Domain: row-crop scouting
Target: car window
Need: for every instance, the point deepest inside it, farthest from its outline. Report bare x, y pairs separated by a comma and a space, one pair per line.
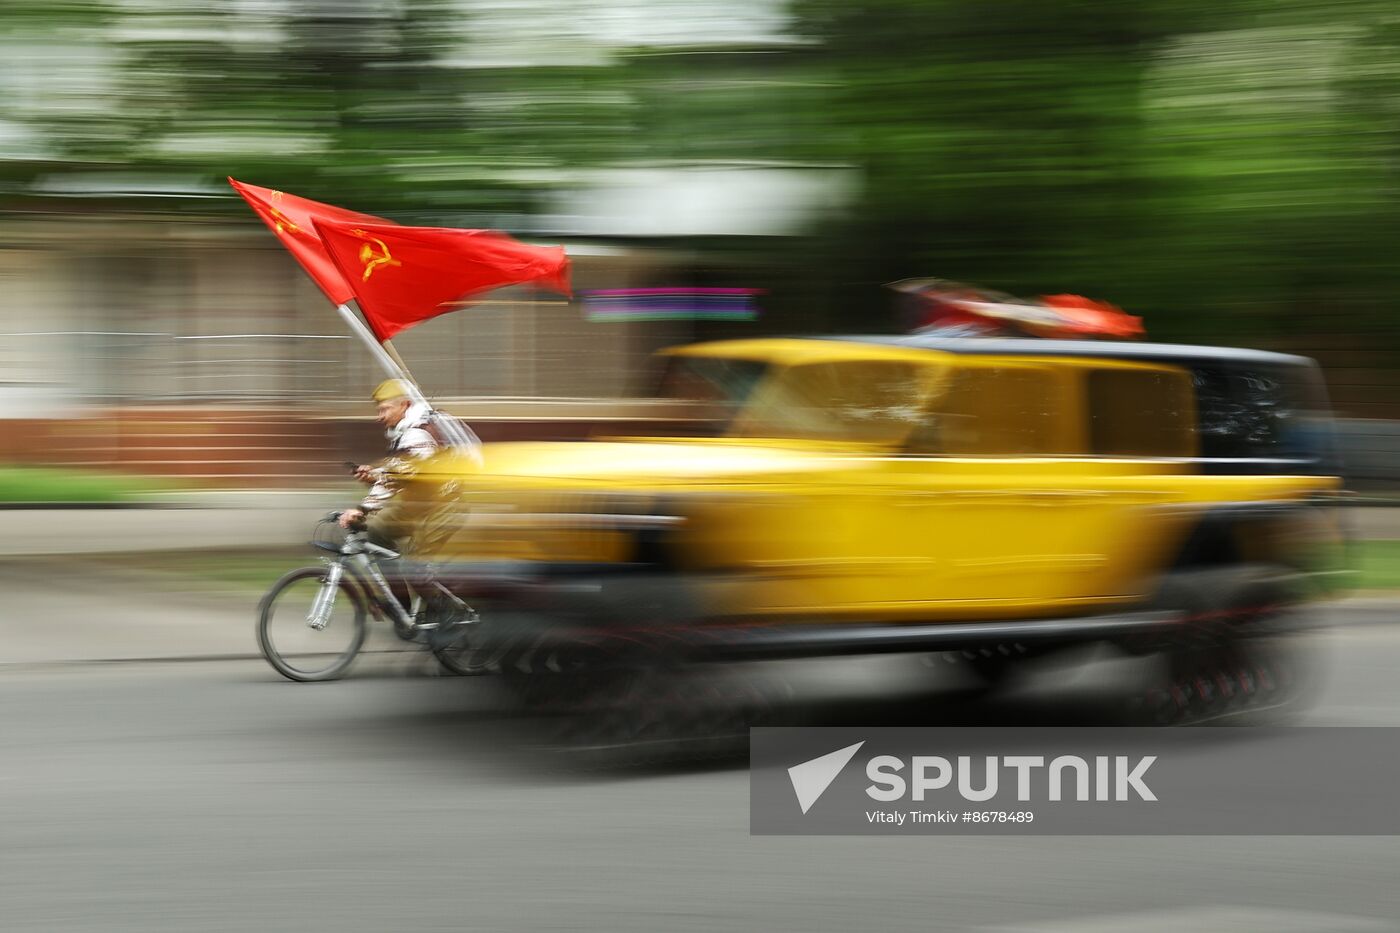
712, 389
994, 411
1140, 413
872, 401
1262, 412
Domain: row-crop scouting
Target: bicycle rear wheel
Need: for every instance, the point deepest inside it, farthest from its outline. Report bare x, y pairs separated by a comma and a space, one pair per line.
458, 647
294, 647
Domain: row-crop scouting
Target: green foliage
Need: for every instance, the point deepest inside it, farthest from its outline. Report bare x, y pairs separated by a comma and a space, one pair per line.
1226, 170
49, 485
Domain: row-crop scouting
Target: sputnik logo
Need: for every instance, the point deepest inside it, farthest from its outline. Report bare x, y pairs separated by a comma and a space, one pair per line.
811, 778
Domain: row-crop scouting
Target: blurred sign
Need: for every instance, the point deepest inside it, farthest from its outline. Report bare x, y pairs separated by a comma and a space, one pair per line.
671, 304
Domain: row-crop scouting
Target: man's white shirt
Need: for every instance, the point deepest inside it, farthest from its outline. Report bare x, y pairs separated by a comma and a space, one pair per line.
408, 440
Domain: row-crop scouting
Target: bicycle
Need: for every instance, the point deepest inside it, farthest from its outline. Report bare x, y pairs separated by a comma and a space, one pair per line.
312, 622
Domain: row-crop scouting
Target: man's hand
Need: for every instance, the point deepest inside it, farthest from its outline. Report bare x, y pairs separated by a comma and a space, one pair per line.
365, 474
351, 517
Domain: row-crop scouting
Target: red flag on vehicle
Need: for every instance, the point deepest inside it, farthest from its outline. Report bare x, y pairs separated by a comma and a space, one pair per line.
403, 276
1086, 317
954, 309
293, 219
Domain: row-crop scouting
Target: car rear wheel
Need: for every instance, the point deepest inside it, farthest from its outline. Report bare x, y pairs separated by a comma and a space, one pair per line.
1239, 648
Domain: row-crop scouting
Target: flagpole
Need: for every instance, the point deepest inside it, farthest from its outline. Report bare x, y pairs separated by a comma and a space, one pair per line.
393, 352
456, 432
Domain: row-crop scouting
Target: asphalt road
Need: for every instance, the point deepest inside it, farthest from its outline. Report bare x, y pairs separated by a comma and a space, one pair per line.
190, 796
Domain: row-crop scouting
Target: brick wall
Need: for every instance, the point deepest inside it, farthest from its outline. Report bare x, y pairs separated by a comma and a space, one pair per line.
256, 446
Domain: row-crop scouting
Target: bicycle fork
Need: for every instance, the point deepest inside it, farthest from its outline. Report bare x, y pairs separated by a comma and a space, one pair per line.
319, 615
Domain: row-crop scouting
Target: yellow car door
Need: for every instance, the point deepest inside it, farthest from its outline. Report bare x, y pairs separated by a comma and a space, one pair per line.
1015, 488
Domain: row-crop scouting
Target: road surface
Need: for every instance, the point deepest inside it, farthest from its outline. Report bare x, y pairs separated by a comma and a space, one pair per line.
190, 795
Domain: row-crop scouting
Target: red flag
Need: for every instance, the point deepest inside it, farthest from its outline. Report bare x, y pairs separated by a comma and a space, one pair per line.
406, 275
1085, 317
293, 220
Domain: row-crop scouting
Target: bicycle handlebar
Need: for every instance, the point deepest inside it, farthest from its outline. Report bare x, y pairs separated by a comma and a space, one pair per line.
335, 517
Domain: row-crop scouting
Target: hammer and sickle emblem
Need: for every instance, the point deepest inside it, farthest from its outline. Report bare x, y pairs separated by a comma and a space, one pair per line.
371, 259
282, 221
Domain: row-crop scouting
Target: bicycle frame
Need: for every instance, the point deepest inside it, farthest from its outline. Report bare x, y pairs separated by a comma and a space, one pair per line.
432, 616
361, 557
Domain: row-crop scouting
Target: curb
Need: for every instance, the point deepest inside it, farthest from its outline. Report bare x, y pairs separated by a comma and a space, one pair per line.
84, 506
1367, 604
205, 501
20, 666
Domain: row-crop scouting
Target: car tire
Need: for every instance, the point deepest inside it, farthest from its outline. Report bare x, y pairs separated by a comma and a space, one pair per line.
1235, 651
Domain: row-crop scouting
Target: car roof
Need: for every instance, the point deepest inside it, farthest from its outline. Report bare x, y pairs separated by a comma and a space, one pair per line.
1105, 349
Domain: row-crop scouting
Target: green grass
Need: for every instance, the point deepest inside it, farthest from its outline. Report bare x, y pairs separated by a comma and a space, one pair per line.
254, 569
55, 485
1377, 565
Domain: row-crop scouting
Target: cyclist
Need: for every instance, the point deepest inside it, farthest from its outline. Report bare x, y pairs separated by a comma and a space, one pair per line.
408, 428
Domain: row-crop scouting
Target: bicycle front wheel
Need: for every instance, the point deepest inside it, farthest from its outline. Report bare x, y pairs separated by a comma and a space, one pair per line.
303, 642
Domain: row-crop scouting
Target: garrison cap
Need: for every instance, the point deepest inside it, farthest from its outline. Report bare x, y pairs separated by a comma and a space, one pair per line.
391, 389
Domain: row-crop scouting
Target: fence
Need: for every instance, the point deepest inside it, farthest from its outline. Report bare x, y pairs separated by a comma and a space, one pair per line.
1370, 451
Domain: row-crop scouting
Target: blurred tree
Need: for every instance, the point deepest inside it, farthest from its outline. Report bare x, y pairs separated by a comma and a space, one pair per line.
1000, 140
1227, 170
56, 66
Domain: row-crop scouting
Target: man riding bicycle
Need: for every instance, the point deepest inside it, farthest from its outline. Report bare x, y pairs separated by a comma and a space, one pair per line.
408, 428
392, 518
415, 432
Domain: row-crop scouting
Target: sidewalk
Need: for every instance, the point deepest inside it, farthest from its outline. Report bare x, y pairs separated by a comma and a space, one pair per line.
281, 519
213, 520
1370, 523
59, 607
59, 610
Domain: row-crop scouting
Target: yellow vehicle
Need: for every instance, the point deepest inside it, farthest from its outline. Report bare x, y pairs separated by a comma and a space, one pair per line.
986, 497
